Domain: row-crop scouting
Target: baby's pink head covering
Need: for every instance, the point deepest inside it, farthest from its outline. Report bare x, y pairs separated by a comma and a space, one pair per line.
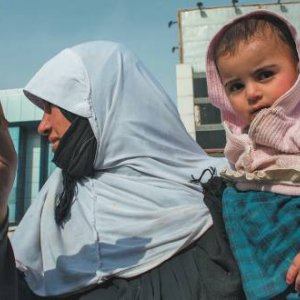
216, 92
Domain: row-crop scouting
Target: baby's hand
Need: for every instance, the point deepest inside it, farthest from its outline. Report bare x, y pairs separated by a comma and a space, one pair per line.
293, 273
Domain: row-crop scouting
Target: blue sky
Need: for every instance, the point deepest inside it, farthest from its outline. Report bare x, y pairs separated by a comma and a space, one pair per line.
32, 31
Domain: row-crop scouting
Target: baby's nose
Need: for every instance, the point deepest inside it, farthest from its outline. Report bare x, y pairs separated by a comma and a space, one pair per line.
253, 92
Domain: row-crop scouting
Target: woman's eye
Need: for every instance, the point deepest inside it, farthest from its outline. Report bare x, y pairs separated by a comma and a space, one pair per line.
265, 75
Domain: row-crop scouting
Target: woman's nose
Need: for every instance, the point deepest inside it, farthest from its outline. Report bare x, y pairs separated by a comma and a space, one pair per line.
44, 126
253, 92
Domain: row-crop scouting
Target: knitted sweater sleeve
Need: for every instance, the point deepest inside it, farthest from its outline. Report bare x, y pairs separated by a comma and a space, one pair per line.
274, 129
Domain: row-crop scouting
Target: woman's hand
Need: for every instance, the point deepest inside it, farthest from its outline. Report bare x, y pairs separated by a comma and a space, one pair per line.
8, 164
293, 274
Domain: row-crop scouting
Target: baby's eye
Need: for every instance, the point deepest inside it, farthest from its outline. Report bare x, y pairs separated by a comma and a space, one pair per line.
235, 87
263, 75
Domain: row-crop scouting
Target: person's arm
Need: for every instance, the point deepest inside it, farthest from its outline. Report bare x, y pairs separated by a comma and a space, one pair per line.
293, 273
8, 164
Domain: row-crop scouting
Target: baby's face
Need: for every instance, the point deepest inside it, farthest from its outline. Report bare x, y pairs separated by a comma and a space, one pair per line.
257, 74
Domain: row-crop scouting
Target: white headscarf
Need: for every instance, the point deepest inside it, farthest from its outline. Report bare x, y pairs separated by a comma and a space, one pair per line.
140, 208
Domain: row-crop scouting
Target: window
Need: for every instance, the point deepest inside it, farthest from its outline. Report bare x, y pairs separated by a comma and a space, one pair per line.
34, 167
51, 165
47, 166
209, 114
12, 202
200, 87
211, 139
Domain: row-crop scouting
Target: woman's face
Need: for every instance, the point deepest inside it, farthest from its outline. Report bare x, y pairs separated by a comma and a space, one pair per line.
53, 124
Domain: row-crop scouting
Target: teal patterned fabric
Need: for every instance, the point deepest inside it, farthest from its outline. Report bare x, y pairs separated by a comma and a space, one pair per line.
264, 233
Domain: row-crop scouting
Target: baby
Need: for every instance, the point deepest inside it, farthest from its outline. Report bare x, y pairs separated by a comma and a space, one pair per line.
252, 76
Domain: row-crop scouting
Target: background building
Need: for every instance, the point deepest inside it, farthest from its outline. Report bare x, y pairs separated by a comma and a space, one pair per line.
196, 28
34, 154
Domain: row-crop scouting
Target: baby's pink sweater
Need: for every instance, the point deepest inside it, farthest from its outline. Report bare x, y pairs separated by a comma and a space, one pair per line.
267, 157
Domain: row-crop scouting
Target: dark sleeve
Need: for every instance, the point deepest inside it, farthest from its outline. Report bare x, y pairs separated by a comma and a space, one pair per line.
218, 251
8, 271
12, 283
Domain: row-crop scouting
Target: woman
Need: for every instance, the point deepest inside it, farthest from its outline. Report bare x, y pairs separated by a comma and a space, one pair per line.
121, 218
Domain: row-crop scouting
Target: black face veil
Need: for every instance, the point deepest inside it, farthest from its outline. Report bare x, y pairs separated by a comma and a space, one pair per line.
75, 155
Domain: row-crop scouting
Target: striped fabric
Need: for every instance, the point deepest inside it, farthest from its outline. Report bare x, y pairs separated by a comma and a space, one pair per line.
264, 234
